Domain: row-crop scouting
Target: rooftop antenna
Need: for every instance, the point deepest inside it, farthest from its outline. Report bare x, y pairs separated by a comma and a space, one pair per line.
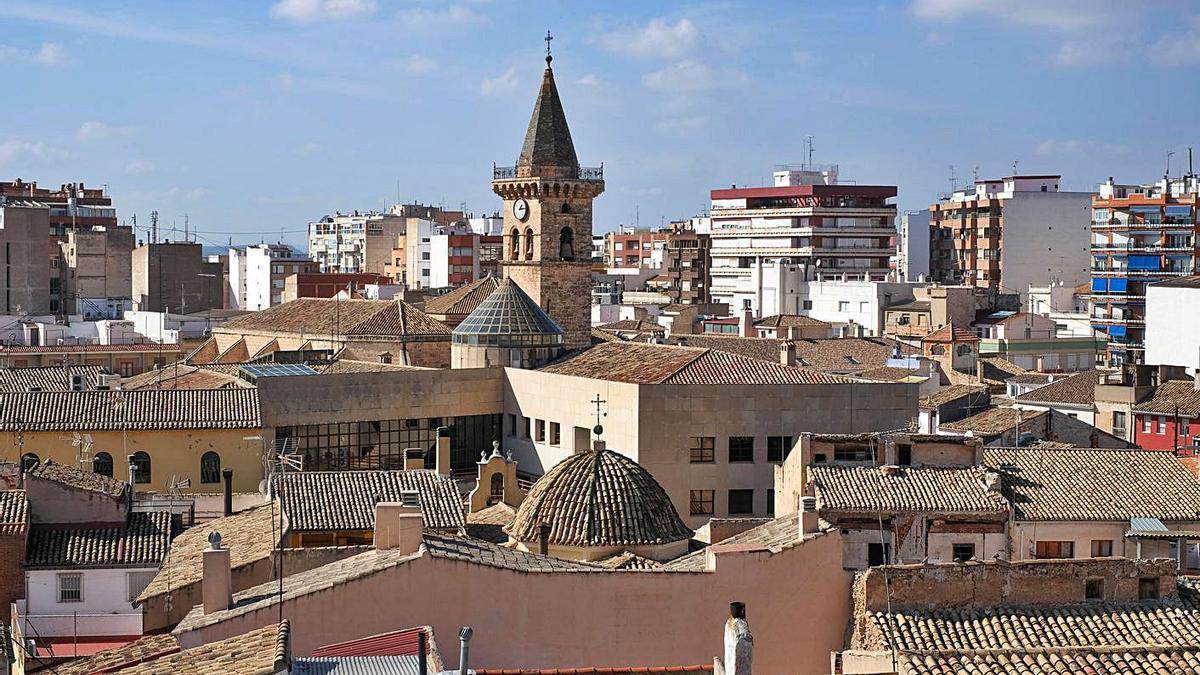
953, 179
808, 143
1169, 155
975, 174
1014, 166
185, 227
548, 38
154, 227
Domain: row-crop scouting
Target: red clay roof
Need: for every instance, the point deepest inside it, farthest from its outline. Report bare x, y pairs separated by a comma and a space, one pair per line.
396, 643
951, 333
635, 670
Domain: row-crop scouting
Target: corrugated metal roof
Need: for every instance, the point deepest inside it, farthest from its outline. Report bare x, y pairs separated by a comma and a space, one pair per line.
356, 665
1147, 525
396, 643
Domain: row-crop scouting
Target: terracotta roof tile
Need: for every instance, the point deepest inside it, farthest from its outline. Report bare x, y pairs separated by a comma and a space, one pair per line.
1078, 389
322, 501
259, 652
1132, 659
14, 511
953, 393
599, 499
1095, 484
1168, 395
889, 374
140, 542
905, 489
47, 378
951, 333
788, 321
628, 560
990, 422
637, 325
139, 409
356, 318
637, 363
632, 670
65, 474
182, 376
462, 300
113, 660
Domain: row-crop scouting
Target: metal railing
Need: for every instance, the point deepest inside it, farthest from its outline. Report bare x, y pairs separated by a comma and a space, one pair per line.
584, 172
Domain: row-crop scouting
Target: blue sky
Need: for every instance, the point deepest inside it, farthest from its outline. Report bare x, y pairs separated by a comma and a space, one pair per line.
256, 117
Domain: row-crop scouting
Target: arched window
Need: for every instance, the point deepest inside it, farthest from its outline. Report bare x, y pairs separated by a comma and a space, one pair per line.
210, 467
566, 208
141, 467
529, 244
29, 460
497, 493
102, 464
515, 246
566, 244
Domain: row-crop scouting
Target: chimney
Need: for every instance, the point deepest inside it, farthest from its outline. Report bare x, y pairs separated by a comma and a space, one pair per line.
443, 451
413, 459
809, 524
991, 481
978, 366
746, 323
739, 642
399, 525
227, 476
787, 353
216, 585
544, 538
464, 649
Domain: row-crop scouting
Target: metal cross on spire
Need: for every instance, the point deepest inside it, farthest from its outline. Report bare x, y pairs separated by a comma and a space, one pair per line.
599, 414
548, 38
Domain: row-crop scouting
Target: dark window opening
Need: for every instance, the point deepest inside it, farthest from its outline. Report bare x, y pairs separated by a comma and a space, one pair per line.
102, 464
741, 448
778, 448
741, 502
879, 554
1148, 588
210, 468
963, 552
141, 467
1093, 589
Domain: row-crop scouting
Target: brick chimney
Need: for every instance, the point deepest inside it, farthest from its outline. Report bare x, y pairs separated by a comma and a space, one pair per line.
399, 525
216, 585
443, 451
787, 353
746, 322
809, 525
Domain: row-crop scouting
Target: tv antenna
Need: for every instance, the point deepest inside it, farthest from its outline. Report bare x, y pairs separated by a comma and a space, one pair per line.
1015, 163
953, 179
808, 148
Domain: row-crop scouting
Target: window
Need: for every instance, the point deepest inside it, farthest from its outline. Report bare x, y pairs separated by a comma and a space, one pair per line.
525, 427
1185, 427
844, 306
702, 449
879, 554
1162, 424
741, 448
210, 467
70, 587
903, 454
512, 424
555, 435
135, 583
778, 448
701, 502
1101, 548
496, 494
126, 368
1145, 424
141, 467
741, 502
1093, 589
1118, 422
1054, 549
770, 502
539, 428
963, 552
29, 460
808, 304
102, 464
1148, 588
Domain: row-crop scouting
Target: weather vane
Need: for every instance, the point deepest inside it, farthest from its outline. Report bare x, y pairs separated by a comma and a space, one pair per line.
548, 38
598, 429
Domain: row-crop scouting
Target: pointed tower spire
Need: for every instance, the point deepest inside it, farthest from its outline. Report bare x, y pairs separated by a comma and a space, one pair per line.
548, 150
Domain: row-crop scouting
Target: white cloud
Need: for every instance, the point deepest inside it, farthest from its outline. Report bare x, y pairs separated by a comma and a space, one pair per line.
657, 39
1062, 15
588, 80
803, 58
690, 76
419, 65
1177, 49
453, 15
682, 126
15, 151
178, 194
50, 54
1076, 147
95, 130
1090, 52
501, 84
139, 167
309, 11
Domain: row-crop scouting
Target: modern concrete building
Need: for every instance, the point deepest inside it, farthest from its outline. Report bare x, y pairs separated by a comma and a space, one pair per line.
912, 254
95, 272
1140, 234
175, 275
687, 264
1005, 234
25, 286
355, 242
766, 241
258, 274
548, 217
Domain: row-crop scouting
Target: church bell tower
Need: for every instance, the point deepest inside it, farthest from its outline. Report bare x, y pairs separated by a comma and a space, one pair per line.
548, 216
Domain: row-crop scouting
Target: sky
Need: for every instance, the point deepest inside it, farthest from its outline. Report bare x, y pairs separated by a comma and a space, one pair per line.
255, 118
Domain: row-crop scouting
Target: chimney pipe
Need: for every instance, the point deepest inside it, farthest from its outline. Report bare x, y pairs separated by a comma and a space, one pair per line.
422, 654
544, 538
739, 642
787, 353
464, 649
227, 475
809, 524
216, 584
746, 323
443, 451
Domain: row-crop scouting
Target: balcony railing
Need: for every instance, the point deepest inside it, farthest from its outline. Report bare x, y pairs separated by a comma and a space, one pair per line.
584, 173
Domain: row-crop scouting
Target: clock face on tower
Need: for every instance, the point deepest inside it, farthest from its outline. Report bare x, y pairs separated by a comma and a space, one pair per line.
521, 209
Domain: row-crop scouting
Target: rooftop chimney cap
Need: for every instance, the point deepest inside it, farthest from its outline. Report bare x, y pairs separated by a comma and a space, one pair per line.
214, 540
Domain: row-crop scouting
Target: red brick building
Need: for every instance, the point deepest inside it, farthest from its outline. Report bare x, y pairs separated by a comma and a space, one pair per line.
1168, 418
327, 285
633, 248
14, 517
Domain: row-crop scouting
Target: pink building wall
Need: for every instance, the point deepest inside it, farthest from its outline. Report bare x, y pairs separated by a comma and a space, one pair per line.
797, 604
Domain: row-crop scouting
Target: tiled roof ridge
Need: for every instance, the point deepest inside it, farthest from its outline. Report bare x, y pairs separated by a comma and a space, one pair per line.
700, 353
65, 474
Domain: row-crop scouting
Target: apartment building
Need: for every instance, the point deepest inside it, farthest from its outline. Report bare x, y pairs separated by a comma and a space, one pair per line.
1140, 234
768, 240
319, 285
633, 247
258, 274
1008, 233
175, 275
25, 285
355, 242
912, 255
94, 276
687, 265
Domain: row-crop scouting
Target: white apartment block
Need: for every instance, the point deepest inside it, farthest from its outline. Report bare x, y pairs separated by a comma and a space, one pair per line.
257, 274
355, 242
912, 254
768, 241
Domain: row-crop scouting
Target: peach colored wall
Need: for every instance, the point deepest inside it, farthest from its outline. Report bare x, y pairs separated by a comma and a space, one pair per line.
797, 604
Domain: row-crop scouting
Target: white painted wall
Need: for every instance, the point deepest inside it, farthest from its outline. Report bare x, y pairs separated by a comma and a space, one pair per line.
913, 255
105, 609
1172, 335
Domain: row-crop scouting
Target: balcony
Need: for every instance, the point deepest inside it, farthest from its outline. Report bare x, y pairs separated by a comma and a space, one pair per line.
585, 173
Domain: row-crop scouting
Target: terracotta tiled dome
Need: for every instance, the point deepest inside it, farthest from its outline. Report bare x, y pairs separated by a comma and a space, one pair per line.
599, 498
